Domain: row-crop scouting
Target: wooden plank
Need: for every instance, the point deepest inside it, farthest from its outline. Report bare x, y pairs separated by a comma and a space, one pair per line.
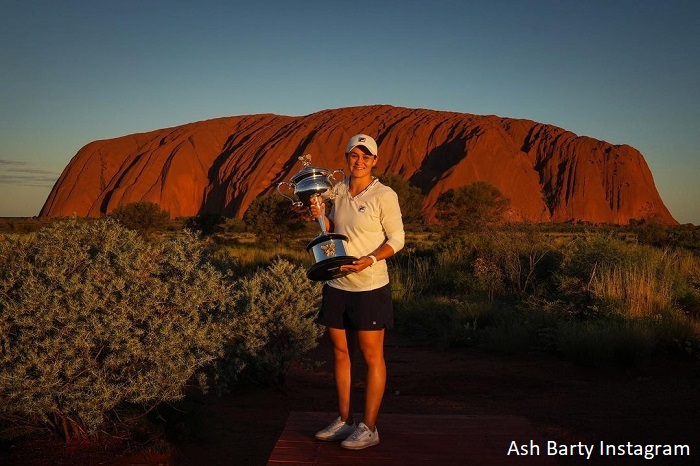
411, 439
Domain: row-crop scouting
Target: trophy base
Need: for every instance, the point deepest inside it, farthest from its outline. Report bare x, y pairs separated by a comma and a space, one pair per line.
329, 269
327, 252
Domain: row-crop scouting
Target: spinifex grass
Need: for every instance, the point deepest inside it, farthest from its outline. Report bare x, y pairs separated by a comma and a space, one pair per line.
636, 290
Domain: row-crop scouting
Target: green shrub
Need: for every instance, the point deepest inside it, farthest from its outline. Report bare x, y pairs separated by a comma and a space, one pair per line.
588, 253
653, 233
514, 263
272, 218
143, 217
91, 315
604, 342
411, 275
473, 206
592, 296
231, 226
685, 272
443, 322
410, 198
507, 337
426, 318
494, 264
600, 274
276, 308
442, 270
206, 224
22, 226
604, 275
678, 334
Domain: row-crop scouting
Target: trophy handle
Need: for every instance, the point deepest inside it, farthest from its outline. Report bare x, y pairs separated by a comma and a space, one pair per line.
292, 186
331, 176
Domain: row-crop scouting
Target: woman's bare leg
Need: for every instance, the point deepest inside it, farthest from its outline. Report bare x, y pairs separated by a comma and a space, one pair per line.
372, 347
342, 368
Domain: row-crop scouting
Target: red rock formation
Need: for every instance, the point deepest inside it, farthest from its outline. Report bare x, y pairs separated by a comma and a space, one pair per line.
222, 165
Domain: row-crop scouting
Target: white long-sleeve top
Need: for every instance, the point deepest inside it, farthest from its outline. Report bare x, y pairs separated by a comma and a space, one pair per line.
370, 219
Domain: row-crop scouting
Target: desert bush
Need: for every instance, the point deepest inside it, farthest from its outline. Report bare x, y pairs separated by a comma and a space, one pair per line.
231, 226
23, 225
206, 224
92, 315
494, 264
271, 217
604, 275
517, 263
471, 207
410, 198
444, 322
552, 294
507, 337
686, 237
276, 309
604, 341
411, 274
576, 285
143, 217
486, 265
684, 269
590, 252
444, 269
688, 298
449, 323
653, 233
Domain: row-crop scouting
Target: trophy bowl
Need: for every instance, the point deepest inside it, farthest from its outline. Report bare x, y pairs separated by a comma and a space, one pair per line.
327, 251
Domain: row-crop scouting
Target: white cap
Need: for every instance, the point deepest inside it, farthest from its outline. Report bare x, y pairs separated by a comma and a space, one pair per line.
362, 140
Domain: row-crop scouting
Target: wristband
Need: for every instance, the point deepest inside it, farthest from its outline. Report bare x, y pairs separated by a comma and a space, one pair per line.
374, 259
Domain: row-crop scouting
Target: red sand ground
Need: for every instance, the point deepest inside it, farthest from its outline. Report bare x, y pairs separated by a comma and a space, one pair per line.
654, 403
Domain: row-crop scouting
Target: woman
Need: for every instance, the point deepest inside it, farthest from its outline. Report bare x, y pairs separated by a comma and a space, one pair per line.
358, 306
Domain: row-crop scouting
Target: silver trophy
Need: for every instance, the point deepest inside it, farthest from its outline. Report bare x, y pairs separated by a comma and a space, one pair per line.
327, 250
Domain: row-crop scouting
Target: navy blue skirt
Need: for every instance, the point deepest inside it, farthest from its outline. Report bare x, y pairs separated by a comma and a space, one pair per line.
357, 310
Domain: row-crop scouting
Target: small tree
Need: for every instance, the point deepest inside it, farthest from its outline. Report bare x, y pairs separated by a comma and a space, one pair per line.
410, 198
472, 206
272, 217
143, 217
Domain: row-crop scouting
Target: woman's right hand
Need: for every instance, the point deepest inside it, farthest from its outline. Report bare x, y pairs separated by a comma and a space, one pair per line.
318, 207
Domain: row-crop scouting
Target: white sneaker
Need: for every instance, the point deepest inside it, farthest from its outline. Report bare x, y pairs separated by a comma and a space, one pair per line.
336, 430
361, 438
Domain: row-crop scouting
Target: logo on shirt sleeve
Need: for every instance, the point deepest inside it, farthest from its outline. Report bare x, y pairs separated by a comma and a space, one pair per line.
362, 209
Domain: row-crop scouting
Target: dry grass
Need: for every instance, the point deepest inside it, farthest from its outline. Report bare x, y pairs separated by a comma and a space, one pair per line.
411, 279
636, 290
257, 256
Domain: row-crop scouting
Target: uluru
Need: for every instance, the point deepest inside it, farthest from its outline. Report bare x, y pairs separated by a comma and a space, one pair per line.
220, 166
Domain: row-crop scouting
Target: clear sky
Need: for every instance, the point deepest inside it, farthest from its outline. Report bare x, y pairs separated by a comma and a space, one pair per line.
71, 72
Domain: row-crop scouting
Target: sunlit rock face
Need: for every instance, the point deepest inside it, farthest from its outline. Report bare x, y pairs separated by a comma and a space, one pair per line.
220, 166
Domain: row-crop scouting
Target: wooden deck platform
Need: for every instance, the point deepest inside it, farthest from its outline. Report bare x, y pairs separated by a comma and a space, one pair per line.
412, 440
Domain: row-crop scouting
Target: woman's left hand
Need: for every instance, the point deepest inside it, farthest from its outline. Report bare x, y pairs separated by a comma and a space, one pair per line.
358, 265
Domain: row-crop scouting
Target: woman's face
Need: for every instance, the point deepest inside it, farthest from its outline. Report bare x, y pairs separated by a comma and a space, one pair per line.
360, 163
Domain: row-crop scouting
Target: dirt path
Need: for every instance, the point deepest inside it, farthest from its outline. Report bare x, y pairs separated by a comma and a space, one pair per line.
657, 403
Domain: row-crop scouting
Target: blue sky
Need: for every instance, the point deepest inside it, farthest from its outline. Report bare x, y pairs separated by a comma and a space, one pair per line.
627, 72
